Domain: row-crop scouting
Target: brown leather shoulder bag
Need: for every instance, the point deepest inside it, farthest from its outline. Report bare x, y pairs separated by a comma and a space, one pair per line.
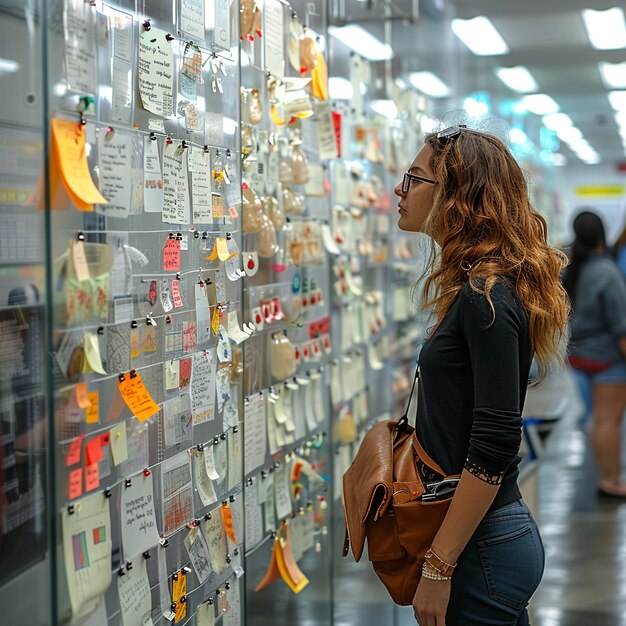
387, 502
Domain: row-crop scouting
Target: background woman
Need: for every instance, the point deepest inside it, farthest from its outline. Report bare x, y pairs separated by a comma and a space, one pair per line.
496, 293
598, 342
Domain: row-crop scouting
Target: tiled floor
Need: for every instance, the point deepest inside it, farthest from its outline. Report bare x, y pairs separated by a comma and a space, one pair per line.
585, 538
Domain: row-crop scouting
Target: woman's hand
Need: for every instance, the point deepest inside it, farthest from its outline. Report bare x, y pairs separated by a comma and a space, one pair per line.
431, 602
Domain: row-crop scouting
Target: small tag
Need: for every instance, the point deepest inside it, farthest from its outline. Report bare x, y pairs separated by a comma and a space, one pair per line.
158, 126
80, 260
232, 211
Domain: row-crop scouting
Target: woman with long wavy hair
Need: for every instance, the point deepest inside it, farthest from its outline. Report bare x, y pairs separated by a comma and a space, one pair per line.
494, 288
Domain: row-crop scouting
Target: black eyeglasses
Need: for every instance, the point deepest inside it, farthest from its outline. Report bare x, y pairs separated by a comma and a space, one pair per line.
406, 181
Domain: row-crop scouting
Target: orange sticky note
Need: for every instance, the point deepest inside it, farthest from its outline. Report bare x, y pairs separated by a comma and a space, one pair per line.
137, 397
272, 574
171, 255
92, 477
227, 520
75, 484
93, 415
73, 453
68, 139
94, 450
232, 211
179, 589
82, 398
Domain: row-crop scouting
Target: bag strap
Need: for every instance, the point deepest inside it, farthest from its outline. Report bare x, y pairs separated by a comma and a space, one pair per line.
404, 420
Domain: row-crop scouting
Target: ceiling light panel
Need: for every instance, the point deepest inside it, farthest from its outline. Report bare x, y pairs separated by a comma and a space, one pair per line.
429, 84
362, 42
618, 100
480, 36
517, 78
557, 121
606, 29
540, 104
613, 74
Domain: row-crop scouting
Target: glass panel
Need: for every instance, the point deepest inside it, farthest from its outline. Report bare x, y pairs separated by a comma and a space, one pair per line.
24, 555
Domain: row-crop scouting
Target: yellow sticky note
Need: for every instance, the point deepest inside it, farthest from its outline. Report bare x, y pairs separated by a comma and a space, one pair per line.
119, 445
69, 145
137, 397
215, 321
93, 360
179, 589
93, 414
222, 249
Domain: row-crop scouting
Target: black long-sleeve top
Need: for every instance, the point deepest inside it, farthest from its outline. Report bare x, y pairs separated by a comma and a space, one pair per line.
474, 375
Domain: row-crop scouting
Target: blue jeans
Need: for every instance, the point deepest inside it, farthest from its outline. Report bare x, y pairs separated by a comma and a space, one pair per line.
499, 570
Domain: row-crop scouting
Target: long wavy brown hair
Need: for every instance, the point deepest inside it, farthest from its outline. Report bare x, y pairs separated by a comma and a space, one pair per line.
489, 232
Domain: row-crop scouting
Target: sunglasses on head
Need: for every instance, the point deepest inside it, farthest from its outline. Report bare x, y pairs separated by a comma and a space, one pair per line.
450, 133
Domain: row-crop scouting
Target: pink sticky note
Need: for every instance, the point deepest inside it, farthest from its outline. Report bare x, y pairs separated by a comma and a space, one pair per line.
178, 301
92, 477
184, 372
171, 255
233, 212
73, 454
75, 484
94, 450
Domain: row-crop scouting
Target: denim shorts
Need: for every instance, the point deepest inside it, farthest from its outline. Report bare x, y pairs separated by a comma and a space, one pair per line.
498, 571
614, 375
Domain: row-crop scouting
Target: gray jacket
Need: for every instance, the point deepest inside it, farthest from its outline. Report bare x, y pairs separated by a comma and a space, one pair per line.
599, 317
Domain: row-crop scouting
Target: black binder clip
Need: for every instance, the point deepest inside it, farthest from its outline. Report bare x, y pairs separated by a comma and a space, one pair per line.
146, 25
70, 509
107, 492
146, 555
128, 482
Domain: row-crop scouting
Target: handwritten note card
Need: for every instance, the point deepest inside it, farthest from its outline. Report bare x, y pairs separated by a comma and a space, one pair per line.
216, 540
203, 386
177, 420
152, 177
192, 18
139, 529
175, 185
177, 492
156, 72
137, 397
133, 590
255, 433
80, 52
203, 483
201, 187
198, 554
121, 91
274, 37
114, 152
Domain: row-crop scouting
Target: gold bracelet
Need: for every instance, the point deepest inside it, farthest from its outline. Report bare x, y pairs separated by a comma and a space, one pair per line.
445, 569
429, 574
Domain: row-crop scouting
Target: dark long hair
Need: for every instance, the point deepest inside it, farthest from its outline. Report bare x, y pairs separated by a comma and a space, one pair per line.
588, 237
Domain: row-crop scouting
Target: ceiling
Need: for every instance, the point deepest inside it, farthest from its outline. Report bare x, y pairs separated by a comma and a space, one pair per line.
549, 38
546, 36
